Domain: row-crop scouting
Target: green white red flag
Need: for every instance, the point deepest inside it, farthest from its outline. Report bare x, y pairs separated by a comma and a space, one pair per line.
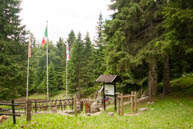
45, 36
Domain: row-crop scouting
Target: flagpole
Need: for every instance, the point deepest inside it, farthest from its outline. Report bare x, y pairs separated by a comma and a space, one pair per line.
66, 71
28, 69
47, 68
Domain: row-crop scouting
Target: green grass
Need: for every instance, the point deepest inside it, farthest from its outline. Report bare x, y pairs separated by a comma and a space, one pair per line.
172, 112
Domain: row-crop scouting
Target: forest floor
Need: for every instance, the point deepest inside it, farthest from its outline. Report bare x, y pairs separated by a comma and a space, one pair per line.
172, 112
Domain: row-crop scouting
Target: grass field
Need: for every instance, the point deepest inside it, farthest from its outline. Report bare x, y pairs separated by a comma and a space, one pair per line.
172, 112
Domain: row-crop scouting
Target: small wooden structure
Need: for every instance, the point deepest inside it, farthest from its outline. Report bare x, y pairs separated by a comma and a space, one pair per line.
109, 87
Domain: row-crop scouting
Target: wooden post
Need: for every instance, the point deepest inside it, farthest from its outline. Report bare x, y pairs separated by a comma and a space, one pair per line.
29, 109
52, 103
87, 107
35, 106
135, 101
75, 107
13, 111
61, 104
72, 103
115, 96
81, 105
122, 112
132, 101
119, 105
65, 103
56, 104
104, 98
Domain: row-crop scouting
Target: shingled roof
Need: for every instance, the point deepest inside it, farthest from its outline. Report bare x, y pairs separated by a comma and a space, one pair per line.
107, 78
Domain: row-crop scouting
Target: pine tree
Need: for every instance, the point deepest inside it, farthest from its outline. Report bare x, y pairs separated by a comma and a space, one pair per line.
134, 25
75, 66
71, 39
12, 70
13, 50
60, 65
99, 60
52, 79
88, 64
10, 23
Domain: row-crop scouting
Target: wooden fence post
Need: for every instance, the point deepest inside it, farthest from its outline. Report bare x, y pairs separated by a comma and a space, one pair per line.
72, 103
132, 105
122, 112
13, 111
75, 107
118, 104
29, 109
35, 106
56, 101
81, 105
135, 101
61, 104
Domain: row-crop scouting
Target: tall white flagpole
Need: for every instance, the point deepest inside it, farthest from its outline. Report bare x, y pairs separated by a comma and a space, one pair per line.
67, 54
66, 78
28, 68
47, 64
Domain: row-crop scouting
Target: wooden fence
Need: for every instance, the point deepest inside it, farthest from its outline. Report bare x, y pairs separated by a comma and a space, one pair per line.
10, 110
133, 99
18, 107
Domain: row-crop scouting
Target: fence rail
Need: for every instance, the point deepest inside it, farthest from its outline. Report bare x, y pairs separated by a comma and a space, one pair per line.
16, 108
4, 111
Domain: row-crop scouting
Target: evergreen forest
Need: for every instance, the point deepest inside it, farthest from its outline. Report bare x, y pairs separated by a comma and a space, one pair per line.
147, 43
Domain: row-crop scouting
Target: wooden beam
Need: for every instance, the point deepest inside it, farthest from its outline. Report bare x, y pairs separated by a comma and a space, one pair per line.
122, 112
75, 106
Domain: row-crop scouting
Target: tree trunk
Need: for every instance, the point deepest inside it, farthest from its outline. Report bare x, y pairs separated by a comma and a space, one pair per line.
152, 78
166, 75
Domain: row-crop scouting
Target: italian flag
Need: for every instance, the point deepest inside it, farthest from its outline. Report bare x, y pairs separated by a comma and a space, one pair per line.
45, 36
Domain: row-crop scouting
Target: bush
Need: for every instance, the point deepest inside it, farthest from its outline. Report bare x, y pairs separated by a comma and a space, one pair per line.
186, 81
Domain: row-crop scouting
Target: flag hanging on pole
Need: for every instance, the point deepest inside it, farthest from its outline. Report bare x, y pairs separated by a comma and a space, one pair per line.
30, 47
45, 36
67, 52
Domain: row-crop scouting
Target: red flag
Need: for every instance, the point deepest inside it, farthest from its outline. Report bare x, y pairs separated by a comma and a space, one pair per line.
30, 47
67, 52
43, 41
